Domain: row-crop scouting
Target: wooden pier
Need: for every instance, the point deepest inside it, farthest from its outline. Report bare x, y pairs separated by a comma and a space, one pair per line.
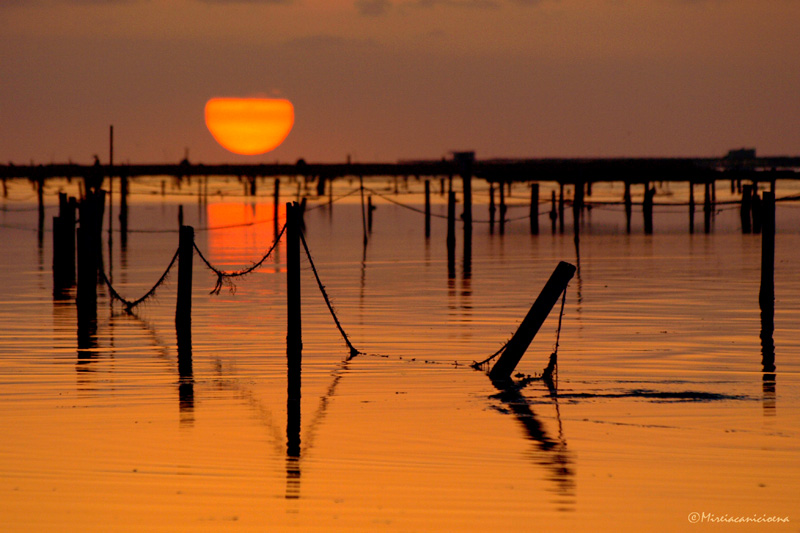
564, 171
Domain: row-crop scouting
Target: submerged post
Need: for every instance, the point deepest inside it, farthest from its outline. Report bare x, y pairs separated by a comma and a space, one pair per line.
427, 208
628, 206
766, 294
530, 325
534, 209
451, 234
276, 198
502, 209
647, 208
183, 307
744, 211
492, 208
294, 340
465, 161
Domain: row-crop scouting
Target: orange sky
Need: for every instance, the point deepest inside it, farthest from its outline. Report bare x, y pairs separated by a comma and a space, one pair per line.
392, 79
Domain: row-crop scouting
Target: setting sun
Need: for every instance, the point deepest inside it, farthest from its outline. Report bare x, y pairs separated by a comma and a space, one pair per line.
249, 126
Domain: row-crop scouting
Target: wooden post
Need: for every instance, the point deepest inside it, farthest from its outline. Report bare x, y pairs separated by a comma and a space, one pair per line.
530, 325
123, 210
744, 211
647, 208
363, 209
451, 234
294, 336
577, 205
757, 209
502, 209
691, 206
628, 206
183, 307
465, 161
766, 294
707, 208
534, 209
561, 207
276, 198
40, 196
427, 208
553, 212
180, 216
492, 207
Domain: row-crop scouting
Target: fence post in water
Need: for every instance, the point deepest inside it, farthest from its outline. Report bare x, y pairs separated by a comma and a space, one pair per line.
502, 209
364, 208
451, 234
628, 206
530, 325
553, 213
427, 208
577, 205
766, 294
276, 198
492, 208
534, 208
294, 338
744, 212
183, 308
465, 161
647, 208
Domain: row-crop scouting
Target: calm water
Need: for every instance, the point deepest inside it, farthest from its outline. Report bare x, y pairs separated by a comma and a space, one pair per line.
661, 410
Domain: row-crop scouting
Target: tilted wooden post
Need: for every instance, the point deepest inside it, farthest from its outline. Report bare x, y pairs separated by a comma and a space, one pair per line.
516, 347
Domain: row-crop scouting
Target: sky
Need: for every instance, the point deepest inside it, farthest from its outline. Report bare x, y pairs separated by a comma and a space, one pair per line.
388, 80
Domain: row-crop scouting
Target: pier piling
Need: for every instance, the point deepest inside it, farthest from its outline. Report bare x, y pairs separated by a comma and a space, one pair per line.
427, 209
534, 214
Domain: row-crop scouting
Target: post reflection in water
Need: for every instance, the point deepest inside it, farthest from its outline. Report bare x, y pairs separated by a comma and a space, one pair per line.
553, 452
185, 372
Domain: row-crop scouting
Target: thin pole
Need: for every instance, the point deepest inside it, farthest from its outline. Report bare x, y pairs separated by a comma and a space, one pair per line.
363, 209
534, 208
427, 208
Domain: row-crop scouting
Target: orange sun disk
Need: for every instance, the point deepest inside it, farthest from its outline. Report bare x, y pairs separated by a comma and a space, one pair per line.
249, 126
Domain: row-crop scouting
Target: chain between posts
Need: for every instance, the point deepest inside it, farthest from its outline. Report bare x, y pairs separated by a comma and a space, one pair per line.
224, 278
129, 305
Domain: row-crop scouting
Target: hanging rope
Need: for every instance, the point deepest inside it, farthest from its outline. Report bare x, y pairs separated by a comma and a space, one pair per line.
129, 305
552, 364
224, 278
353, 351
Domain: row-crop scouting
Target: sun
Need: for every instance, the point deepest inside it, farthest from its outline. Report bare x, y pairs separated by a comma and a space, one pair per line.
249, 126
